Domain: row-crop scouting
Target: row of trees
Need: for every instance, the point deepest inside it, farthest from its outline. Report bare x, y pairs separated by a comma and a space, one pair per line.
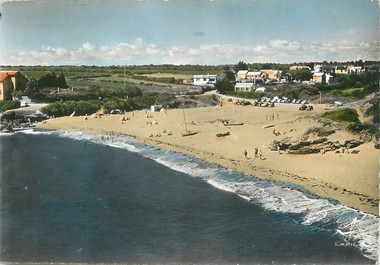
47, 81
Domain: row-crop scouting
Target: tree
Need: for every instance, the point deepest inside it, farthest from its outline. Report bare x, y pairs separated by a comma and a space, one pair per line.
230, 75
61, 81
224, 85
32, 85
303, 75
241, 66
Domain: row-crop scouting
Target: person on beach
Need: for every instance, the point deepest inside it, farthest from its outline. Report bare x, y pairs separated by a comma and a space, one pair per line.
256, 152
245, 153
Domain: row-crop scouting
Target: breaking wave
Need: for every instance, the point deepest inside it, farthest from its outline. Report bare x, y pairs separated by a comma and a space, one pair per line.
354, 227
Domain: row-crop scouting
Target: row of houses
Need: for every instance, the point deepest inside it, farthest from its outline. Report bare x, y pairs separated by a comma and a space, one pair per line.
265, 74
246, 80
11, 81
338, 70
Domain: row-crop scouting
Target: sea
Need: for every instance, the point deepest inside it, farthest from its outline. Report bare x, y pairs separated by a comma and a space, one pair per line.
72, 197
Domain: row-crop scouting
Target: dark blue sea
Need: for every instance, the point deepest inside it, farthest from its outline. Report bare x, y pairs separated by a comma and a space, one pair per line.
71, 197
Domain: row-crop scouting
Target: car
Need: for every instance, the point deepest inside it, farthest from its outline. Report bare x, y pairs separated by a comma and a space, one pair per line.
330, 106
306, 107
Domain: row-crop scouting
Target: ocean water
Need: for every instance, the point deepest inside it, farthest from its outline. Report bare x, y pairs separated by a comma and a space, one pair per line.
72, 197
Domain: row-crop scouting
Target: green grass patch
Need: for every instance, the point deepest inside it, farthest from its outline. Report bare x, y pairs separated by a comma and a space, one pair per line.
347, 93
347, 116
358, 127
342, 115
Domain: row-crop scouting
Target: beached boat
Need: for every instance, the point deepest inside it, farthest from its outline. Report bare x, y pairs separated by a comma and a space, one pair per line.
233, 123
187, 133
223, 134
267, 126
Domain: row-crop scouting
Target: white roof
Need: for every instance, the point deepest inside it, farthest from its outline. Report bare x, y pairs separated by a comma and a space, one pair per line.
261, 89
254, 73
242, 72
318, 74
204, 76
244, 85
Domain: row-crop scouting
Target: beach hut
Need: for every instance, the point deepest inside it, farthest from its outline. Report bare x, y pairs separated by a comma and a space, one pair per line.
156, 107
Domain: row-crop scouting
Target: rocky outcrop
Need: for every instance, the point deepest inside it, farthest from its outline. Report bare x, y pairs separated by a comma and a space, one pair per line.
320, 145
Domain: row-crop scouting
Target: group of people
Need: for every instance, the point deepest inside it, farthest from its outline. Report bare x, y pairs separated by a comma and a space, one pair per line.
271, 117
258, 153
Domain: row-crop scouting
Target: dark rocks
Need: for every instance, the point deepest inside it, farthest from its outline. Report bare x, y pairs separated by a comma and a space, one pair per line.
352, 143
312, 147
320, 131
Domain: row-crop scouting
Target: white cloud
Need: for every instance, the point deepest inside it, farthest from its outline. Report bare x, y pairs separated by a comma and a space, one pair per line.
140, 52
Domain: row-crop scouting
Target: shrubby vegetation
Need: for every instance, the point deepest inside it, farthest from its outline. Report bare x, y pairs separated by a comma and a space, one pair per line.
165, 80
353, 85
302, 75
342, 115
347, 115
9, 104
83, 107
65, 108
47, 80
224, 86
246, 95
136, 103
374, 110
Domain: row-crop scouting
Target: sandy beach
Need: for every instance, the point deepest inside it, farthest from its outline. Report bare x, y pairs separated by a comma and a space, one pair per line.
350, 178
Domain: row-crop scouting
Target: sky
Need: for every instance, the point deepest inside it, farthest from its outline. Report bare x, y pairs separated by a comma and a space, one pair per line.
205, 32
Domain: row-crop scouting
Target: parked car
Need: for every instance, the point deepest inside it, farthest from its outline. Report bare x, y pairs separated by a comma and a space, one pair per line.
306, 107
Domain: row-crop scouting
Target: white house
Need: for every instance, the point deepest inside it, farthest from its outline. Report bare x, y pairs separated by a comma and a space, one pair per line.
318, 68
244, 87
204, 80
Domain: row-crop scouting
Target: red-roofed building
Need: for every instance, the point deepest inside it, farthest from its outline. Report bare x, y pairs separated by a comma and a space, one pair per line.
10, 81
6, 87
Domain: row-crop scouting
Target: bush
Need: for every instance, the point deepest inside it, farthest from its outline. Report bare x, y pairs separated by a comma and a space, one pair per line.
246, 95
7, 105
224, 86
342, 115
59, 109
348, 115
358, 127
374, 110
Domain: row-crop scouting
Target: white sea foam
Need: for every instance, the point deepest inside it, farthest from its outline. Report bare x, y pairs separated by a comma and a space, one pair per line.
353, 226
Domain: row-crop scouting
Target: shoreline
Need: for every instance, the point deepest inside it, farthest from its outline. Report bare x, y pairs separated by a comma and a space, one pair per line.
342, 184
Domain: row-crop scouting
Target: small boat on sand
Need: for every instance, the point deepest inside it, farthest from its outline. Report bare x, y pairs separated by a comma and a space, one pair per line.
227, 123
189, 133
223, 134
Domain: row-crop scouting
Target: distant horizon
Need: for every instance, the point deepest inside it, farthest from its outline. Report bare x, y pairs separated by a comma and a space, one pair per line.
207, 65
204, 32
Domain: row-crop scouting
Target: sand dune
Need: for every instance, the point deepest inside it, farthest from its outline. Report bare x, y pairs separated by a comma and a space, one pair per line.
350, 178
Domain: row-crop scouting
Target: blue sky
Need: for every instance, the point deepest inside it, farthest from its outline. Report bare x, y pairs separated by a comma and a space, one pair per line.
131, 32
